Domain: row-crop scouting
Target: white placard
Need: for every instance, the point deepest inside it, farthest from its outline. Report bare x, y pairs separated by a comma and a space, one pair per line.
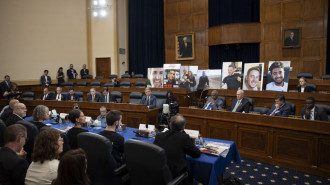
62, 115
192, 133
143, 127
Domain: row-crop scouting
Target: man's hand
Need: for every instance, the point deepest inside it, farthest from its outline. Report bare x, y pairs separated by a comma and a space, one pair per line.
277, 106
239, 79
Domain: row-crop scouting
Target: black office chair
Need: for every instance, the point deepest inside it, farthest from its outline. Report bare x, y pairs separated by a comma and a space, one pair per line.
99, 77
109, 84
314, 87
117, 96
126, 84
80, 95
292, 106
161, 97
325, 77
101, 166
2, 132
95, 84
140, 84
147, 164
324, 108
81, 84
88, 76
67, 84
138, 76
305, 75
135, 97
112, 76
251, 100
261, 109
28, 95
125, 76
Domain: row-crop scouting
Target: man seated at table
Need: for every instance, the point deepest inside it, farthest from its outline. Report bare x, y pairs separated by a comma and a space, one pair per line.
311, 111
19, 113
72, 96
106, 96
13, 167
103, 114
59, 96
214, 102
92, 96
113, 121
240, 104
177, 144
46, 95
148, 99
9, 110
280, 108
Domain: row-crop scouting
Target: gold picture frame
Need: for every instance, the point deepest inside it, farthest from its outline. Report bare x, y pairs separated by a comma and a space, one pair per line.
185, 46
291, 38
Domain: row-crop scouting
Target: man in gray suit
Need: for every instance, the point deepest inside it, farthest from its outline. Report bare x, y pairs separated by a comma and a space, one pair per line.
148, 99
214, 102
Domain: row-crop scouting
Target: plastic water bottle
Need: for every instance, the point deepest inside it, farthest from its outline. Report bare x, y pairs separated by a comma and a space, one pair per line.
197, 142
119, 129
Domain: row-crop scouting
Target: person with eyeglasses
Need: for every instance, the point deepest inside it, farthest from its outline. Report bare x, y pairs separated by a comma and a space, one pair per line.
13, 167
19, 113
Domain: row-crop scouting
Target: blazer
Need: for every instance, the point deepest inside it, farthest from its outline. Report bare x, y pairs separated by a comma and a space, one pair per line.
152, 103
6, 113
111, 98
307, 89
322, 116
176, 145
75, 97
12, 119
4, 87
284, 111
70, 75
96, 98
243, 106
49, 97
82, 73
63, 97
218, 104
43, 81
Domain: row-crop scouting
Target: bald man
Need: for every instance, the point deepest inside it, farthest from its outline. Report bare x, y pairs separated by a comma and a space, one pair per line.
8, 110
19, 112
240, 104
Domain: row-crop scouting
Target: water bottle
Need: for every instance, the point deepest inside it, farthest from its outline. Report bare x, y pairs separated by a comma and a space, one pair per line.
197, 142
119, 129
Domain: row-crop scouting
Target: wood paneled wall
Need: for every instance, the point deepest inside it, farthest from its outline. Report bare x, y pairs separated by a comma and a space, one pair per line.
186, 16
312, 17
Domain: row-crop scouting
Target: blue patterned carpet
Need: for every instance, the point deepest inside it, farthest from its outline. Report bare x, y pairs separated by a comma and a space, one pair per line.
253, 172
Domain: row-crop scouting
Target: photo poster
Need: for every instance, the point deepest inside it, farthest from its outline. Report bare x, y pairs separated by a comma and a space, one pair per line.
253, 76
231, 75
208, 79
278, 76
155, 77
171, 75
188, 76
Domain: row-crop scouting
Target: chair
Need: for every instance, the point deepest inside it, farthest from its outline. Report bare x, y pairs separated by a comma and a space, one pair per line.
80, 95
112, 76
305, 75
138, 76
147, 164
28, 95
125, 84
2, 132
67, 84
324, 108
313, 86
99, 77
325, 77
117, 96
32, 132
161, 97
140, 84
81, 84
261, 110
95, 84
292, 106
251, 102
135, 97
109, 84
223, 99
101, 166
88, 76
125, 76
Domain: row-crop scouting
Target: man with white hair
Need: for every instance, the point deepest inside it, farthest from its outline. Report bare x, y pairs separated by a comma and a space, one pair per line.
93, 96
19, 112
240, 104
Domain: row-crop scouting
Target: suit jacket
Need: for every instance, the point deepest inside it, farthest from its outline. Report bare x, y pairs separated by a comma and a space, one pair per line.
152, 103
49, 97
6, 113
176, 145
70, 75
243, 106
82, 73
12, 167
218, 104
96, 98
186, 51
4, 87
284, 111
43, 81
322, 116
202, 81
111, 98
307, 89
12, 119
75, 97
63, 97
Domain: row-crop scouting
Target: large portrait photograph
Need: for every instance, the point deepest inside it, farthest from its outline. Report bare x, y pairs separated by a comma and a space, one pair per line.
185, 46
231, 75
171, 75
188, 76
278, 76
253, 76
291, 38
155, 77
208, 79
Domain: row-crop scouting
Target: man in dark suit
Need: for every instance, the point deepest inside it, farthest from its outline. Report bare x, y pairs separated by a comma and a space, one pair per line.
46, 80
280, 108
19, 113
214, 102
9, 110
13, 167
203, 82
72, 96
72, 73
185, 48
46, 95
148, 99
92, 96
5, 85
311, 112
240, 104
59, 96
291, 40
177, 144
84, 72
106, 97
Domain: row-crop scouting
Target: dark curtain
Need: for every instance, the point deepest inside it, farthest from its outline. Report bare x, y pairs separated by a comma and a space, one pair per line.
247, 53
328, 46
233, 11
146, 35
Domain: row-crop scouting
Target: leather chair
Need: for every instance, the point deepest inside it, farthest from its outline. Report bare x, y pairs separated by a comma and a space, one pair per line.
324, 108
140, 84
28, 95
292, 106
135, 97
67, 84
138, 76
125, 76
117, 96
65, 94
80, 95
99, 77
88, 76
305, 75
161, 97
109, 84
147, 164
313, 86
251, 102
101, 166
125, 84
325, 77
261, 110
81, 84
2, 132
112, 76
95, 84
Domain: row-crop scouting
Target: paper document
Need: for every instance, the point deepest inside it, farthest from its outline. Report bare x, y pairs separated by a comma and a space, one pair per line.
143, 127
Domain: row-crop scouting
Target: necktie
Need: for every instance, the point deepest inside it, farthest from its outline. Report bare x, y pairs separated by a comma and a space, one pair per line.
46, 79
148, 100
45, 96
209, 106
58, 97
93, 97
106, 99
71, 97
274, 112
236, 106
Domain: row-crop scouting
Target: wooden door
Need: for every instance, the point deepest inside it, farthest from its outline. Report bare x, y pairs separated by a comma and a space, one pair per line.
103, 67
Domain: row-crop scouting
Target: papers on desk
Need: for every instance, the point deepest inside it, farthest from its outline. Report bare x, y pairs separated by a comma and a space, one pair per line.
192, 133
214, 148
88, 119
63, 115
144, 127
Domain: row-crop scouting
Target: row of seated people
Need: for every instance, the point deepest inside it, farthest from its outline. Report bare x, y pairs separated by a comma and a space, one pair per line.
105, 152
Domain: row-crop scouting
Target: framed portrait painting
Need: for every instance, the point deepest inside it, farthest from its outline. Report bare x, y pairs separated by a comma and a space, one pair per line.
291, 38
185, 46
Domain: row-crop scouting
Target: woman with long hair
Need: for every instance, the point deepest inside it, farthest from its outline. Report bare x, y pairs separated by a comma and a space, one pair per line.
60, 76
302, 86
